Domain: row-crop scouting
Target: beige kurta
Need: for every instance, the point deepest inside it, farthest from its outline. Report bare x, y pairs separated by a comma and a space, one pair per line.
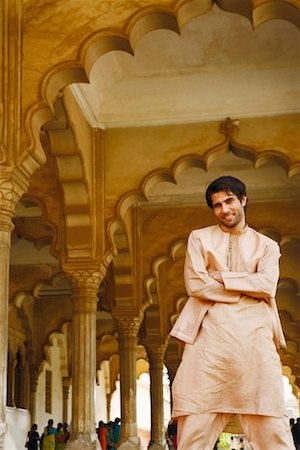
230, 363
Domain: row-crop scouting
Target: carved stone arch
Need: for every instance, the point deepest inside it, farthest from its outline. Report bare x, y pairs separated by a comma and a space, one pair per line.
57, 280
154, 311
286, 370
114, 365
260, 12
10, 375
264, 158
72, 176
290, 249
140, 23
60, 338
122, 262
142, 366
107, 348
20, 385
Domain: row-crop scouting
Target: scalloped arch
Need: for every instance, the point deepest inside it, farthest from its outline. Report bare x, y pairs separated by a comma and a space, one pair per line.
58, 336
264, 11
172, 174
53, 281
139, 23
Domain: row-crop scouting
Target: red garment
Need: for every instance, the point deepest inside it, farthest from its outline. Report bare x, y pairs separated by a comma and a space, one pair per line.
102, 434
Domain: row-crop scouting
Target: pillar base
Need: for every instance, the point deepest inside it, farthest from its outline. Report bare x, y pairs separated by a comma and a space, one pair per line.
83, 442
3, 430
131, 443
157, 446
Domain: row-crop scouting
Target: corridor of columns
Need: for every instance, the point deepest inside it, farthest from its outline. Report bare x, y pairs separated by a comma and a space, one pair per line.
115, 116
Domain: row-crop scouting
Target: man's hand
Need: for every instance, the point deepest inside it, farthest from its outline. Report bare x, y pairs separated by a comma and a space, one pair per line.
217, 276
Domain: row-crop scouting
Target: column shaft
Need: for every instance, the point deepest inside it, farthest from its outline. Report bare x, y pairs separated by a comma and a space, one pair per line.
128, 385
127, 329
5, 236
34, 374
66, 389
85, 286
156, 358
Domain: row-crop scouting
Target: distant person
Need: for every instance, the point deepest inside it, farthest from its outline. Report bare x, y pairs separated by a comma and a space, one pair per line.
33, 438
296, 433
172, 432
60, 437
116, 432
110, 435
102, 434
49, 436
66, 432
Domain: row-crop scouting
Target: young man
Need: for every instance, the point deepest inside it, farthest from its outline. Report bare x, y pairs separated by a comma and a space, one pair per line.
231, 328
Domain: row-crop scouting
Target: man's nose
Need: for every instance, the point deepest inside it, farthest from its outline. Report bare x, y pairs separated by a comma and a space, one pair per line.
225, 208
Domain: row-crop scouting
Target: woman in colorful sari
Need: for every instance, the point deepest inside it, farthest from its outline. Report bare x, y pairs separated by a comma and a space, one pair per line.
60, 437
49, 436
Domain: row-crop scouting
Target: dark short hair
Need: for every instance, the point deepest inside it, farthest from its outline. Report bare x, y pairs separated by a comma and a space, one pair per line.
227, 184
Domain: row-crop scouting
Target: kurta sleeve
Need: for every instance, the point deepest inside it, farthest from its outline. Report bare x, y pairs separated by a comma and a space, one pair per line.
198, 283
263, 282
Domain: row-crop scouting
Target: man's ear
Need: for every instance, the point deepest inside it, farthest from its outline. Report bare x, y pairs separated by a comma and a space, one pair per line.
244, 200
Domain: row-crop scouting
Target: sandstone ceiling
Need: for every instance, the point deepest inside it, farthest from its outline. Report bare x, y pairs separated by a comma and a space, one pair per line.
217, 66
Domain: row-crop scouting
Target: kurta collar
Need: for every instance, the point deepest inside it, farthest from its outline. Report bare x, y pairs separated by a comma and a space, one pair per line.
235, 231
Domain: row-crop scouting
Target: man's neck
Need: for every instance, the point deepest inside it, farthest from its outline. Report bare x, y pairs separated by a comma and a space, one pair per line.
240, 227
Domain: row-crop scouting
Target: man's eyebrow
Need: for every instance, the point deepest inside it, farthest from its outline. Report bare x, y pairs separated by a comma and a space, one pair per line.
230, 196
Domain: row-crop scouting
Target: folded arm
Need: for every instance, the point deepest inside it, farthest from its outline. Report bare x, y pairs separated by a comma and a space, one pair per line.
263, 282
198, 282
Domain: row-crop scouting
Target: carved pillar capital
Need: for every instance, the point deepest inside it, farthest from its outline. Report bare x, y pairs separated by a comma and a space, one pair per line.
12, 186
128, 323
85, 279
85, 284
156, 349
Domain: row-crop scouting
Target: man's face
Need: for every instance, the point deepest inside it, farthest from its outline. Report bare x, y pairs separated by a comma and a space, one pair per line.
228, 209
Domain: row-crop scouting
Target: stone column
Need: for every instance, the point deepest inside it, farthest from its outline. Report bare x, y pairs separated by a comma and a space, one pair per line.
108, 400
66, 388
22, 393
34, 375
128, 327
11, 188
85, 285
11, 380
5, 236
156, 352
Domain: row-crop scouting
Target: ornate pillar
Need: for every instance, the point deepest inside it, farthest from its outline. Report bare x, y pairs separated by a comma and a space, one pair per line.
108, 400
156, 353
85, 285
128, 327
11, 379
22, 392
10, 192
66, 388
6, 226
34, 375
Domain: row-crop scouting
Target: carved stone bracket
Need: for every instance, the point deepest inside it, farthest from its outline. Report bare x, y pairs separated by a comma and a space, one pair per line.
156, 350
228, 126
13, 184
85, 285
128, 324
